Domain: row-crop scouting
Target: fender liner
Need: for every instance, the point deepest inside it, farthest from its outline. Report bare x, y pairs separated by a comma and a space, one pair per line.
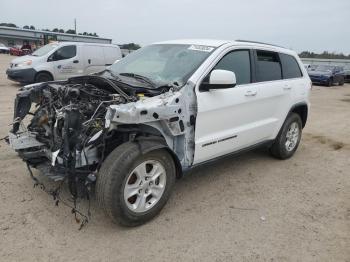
148, 144
303, 113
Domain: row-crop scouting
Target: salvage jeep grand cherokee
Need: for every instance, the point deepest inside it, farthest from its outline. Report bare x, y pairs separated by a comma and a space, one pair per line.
166, 108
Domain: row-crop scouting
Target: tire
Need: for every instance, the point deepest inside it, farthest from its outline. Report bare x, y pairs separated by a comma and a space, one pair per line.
280, 148
330, 82
123, 165
43, 77
341, 81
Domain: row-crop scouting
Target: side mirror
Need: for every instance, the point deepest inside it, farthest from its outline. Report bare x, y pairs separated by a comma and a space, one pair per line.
219, 79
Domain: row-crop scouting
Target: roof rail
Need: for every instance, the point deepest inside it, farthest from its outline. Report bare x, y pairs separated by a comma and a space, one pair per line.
256, 42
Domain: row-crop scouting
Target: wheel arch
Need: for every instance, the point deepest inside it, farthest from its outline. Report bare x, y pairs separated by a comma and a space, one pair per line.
302, 110
150, 138
43, 71
148, 144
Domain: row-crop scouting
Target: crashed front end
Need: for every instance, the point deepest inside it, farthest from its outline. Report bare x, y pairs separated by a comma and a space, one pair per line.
59, 128
66, 129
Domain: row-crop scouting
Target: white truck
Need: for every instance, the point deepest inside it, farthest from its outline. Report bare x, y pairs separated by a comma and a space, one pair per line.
160, 111
62, 60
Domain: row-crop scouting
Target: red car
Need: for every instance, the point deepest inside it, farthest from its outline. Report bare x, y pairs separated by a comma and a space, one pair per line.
21, 50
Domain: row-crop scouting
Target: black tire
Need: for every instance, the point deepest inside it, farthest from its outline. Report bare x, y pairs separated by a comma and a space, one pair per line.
113, 177
279, 148
341, 81
330, 82
43, 77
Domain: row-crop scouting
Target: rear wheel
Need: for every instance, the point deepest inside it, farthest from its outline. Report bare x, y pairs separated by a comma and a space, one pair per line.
132, 187
341, 81
287, 141
43, 77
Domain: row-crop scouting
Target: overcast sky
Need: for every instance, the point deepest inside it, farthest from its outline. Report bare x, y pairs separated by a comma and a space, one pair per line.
314, 25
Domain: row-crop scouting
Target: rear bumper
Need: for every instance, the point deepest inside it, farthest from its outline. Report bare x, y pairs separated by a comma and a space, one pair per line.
21, 75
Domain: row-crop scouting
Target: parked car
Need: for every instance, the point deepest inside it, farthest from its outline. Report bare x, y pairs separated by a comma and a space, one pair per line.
59, 61
347, 74
14, 50
20, 50
327, 75
160, 111
4, 49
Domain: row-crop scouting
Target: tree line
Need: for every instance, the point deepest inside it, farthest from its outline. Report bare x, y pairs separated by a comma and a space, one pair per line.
324, 55
56, 30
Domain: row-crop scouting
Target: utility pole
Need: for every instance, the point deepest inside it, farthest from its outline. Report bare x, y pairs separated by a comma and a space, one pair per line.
75, 26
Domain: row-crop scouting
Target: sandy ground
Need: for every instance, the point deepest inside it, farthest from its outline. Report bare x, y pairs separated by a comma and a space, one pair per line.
247, 208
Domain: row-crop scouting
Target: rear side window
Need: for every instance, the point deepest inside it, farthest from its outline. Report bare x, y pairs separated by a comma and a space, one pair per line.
65, 52
239, 63
290, 67
268, 66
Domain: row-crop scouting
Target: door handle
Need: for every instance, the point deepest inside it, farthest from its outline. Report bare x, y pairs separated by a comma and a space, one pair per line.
251, 93
76, 61
287, 87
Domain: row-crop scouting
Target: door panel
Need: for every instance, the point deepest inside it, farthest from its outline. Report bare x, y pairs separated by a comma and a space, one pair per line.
228, 120
94, 60
235, 118
66, 62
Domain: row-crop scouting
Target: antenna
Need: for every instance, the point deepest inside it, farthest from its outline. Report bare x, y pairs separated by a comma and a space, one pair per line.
75, 26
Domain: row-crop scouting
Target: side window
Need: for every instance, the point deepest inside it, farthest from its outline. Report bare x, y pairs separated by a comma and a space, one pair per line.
290, 67
239, 63
63, 53
268, 66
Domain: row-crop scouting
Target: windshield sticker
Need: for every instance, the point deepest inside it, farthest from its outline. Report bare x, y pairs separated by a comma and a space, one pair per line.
202, 48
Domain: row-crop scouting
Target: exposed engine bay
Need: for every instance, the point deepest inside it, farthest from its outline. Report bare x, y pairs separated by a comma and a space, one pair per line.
66, 129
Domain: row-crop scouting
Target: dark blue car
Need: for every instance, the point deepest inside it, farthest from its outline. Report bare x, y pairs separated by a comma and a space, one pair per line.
327, 75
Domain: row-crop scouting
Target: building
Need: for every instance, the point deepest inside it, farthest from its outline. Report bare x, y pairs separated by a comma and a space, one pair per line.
11, 36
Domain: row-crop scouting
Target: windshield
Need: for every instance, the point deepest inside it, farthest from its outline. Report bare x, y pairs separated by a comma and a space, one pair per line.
164, 64
44, 50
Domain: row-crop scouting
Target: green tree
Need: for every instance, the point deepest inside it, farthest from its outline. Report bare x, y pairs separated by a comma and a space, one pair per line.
32, 27
324, 55
26, 27
130, 46
8, 25
70, 31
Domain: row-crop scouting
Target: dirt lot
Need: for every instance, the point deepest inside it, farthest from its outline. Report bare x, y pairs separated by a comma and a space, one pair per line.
247, 208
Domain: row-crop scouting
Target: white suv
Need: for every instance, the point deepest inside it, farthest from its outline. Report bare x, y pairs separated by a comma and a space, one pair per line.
163, 109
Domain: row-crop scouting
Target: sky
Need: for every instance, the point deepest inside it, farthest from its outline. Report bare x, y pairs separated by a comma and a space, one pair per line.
313, 25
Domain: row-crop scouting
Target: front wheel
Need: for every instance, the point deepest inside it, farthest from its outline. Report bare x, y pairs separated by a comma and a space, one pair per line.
133, 188
287, 141
43, 77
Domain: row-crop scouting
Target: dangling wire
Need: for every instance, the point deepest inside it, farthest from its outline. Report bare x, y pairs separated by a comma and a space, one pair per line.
55, 193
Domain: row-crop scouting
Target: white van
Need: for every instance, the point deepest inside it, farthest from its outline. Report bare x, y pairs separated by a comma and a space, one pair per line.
60, 61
